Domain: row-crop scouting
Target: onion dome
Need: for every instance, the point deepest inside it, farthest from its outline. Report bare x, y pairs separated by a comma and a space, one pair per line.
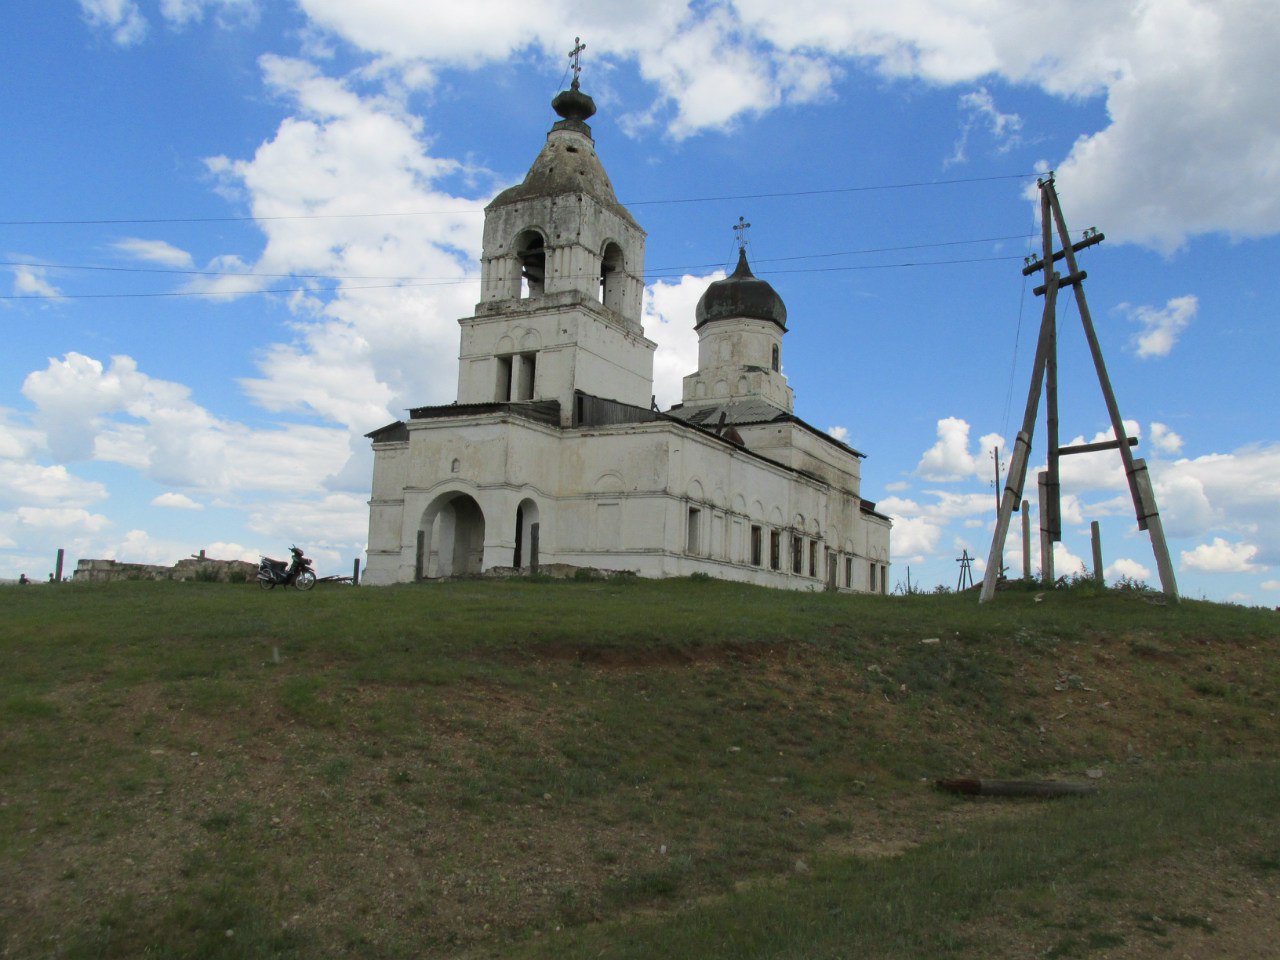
573, 104
741, 295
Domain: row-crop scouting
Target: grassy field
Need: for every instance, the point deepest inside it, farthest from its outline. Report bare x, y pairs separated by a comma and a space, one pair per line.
631, 769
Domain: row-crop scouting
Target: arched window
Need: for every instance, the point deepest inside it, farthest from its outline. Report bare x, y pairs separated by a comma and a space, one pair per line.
776, 364
611, 277
532, 256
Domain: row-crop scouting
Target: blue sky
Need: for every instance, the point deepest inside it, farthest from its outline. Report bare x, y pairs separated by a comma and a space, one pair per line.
236, 236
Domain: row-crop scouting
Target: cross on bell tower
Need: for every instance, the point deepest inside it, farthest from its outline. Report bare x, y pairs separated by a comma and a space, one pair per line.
740, 230
576, 56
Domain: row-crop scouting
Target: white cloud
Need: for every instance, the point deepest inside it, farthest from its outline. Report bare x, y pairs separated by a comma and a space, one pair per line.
1270, 584
1126, 568
30, 281
1184, 505
372, 347
951, 459
177, 501
30, 483
121, 18
1160, 326
980, 111
1066, 563
668, 322
1188, 146
1164, 439
62, 518
230, 551
914, 538
1198, 125
1239, 493
227, 13
154, 251
1221, 557
840, 433
120, 414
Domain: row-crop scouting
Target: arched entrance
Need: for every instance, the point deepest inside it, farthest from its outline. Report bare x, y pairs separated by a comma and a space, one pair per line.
450, 538
527, 536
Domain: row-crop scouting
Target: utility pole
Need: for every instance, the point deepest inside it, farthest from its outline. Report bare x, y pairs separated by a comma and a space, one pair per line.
1045, 374
995, 455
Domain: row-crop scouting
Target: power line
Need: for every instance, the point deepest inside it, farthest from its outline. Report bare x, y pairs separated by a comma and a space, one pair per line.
449, 282
145, 221
654, 272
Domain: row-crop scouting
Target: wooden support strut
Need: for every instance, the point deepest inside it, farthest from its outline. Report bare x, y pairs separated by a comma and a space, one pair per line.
1068, 281
1094, 447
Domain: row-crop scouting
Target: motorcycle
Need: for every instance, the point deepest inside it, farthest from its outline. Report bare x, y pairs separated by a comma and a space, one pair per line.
298, 572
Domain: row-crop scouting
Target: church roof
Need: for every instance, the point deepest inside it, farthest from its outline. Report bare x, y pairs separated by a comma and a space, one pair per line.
745, 412
741, 295
568, 163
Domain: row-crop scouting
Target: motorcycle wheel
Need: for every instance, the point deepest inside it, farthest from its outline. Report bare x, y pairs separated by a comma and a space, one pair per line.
306, 580
267, 584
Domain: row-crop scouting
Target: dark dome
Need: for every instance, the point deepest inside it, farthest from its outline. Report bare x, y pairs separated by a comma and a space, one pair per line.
573, 104
741, 295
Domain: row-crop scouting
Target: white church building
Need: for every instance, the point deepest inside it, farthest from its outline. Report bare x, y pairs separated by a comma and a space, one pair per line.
555, 454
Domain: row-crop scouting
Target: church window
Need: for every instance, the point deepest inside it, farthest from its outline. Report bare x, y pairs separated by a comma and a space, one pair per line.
532, 256
611, 277
775, 550
503, 392
848, 571
525, 376
695, 520
453, 467
813, 558
797, 553
757, 546
776, 362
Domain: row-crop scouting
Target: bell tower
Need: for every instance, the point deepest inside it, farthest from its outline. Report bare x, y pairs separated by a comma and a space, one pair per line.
561, 281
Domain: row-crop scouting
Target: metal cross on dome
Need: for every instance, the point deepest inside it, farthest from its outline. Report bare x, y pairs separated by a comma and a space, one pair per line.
741, 228
576, 56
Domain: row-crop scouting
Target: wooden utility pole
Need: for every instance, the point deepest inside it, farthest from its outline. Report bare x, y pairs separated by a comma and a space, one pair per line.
1045, 373
995, 455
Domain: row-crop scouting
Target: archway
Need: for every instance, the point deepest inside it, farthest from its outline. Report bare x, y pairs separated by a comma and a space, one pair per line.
450, 538
528, 531
611, 277
531, 254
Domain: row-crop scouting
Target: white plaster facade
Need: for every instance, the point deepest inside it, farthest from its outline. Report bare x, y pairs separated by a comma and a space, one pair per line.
552, 453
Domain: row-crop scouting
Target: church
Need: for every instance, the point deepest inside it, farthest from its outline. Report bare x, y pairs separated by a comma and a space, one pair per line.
555, 454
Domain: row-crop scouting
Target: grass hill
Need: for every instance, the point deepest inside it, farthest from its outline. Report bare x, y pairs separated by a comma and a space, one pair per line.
631, 769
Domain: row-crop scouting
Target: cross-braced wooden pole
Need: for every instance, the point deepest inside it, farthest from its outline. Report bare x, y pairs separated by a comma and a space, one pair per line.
1044, 373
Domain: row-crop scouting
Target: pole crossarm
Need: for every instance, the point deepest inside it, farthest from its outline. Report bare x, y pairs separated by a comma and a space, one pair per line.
1088, 241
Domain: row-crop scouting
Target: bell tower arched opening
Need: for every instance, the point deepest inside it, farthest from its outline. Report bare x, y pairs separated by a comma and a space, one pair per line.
612, 277
531, 254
